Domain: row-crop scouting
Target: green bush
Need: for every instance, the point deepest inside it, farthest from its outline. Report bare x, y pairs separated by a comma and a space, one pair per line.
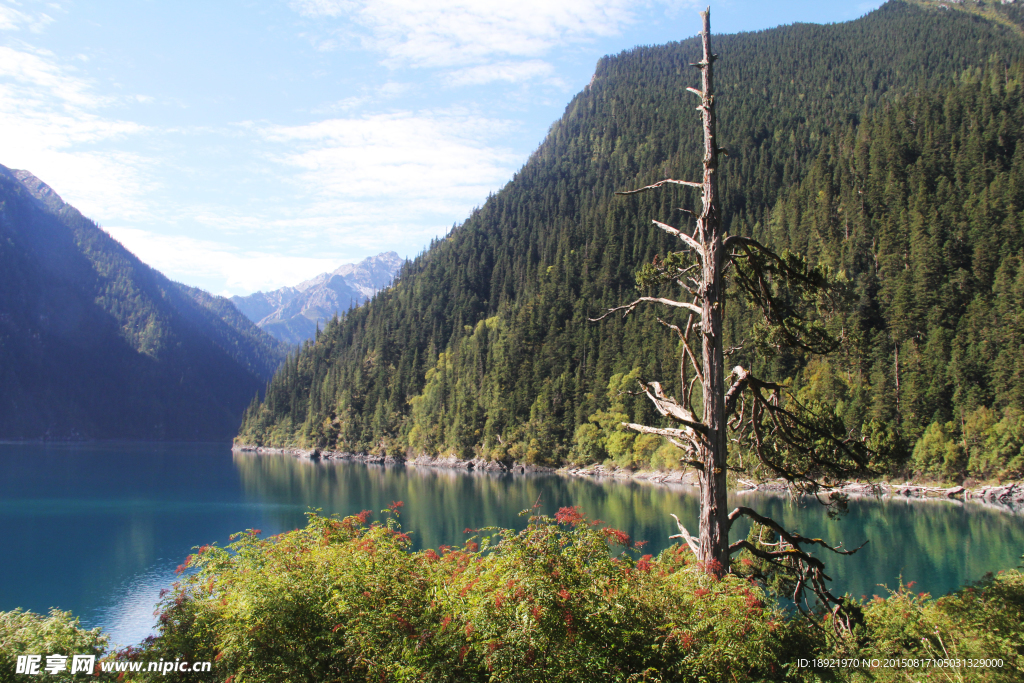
341, 600
563, 600
59, 633
979, 623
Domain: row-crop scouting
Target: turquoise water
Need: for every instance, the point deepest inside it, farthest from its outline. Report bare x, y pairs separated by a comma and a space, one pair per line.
99, 529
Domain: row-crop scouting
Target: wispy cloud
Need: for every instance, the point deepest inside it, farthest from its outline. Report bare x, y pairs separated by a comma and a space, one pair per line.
510, 72
12, 19
463, 34
49, 119
380, 177
195, 260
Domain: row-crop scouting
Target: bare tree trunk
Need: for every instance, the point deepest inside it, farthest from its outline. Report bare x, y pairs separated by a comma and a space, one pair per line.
714, 518
753, 408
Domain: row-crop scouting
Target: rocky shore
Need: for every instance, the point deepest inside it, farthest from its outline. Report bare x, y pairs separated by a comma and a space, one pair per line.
446, 462
1007, 495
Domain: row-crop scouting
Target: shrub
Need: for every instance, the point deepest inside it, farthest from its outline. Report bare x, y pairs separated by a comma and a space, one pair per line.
56, 634
983, 621
347, 601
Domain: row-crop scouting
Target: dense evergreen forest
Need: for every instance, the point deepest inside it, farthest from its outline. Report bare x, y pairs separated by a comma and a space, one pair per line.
96, 344
886, 147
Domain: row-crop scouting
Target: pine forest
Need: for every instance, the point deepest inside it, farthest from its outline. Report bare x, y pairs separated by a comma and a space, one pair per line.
889, 149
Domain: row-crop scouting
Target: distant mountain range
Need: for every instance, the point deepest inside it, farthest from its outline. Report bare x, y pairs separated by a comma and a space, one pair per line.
291, 314
94, 343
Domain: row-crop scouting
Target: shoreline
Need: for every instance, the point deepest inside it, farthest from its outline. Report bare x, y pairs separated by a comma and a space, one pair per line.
1005, 496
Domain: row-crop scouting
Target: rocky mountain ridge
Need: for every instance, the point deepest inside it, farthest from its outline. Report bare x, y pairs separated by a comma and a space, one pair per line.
292, 314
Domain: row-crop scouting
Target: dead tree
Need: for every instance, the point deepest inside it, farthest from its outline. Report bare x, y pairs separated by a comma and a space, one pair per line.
805, 444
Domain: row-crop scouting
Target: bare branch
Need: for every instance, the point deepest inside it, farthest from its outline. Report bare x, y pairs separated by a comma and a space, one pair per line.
688, 433
684, 534
790, 537
660, 183
734, 240
628, 308
743, 380
692, 243
696, 92
686, 347
669, 407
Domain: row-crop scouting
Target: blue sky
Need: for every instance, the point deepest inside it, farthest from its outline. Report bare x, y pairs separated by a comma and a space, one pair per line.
239, 145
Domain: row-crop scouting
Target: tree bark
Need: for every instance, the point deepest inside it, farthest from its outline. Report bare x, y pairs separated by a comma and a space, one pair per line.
714, 528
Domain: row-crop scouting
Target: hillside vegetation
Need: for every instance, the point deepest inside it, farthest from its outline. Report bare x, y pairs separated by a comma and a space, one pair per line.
96, 344
874, 146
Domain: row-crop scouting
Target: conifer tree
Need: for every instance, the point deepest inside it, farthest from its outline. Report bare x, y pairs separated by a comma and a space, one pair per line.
804, 443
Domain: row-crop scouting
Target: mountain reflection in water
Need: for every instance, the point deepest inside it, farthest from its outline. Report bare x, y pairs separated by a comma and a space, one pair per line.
939, 544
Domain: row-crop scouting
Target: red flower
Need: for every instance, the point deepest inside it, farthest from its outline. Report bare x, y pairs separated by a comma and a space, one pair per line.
640, 544
431, 555
571, 516
701, 592
535, 611
644, 564
363, 516
445, 622
469, 629
616, 536
396, 505
712, 566
563, 594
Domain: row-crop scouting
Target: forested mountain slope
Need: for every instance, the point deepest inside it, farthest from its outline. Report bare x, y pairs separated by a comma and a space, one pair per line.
96, 344
484, 347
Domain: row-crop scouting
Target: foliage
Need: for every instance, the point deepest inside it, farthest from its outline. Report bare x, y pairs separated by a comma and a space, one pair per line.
886, 149
59, 633
565, 599
96, 344
983, 621
345, 600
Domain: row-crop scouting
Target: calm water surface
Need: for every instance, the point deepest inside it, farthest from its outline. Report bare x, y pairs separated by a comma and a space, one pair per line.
99, 529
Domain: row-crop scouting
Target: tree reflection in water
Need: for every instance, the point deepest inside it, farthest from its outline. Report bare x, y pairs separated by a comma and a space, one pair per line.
938, 544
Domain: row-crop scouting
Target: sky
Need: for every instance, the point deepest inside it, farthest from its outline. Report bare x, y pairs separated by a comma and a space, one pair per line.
244, 145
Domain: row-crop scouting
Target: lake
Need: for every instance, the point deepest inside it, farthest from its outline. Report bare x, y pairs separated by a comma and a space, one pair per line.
98, 529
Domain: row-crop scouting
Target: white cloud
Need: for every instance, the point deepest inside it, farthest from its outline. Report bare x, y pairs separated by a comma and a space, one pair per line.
459, 33
47, 116
511, 72
377, 174
193, 261
11, 19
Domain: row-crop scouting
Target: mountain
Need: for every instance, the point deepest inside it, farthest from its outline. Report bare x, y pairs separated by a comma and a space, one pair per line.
96, 344
292, 314
484, 347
